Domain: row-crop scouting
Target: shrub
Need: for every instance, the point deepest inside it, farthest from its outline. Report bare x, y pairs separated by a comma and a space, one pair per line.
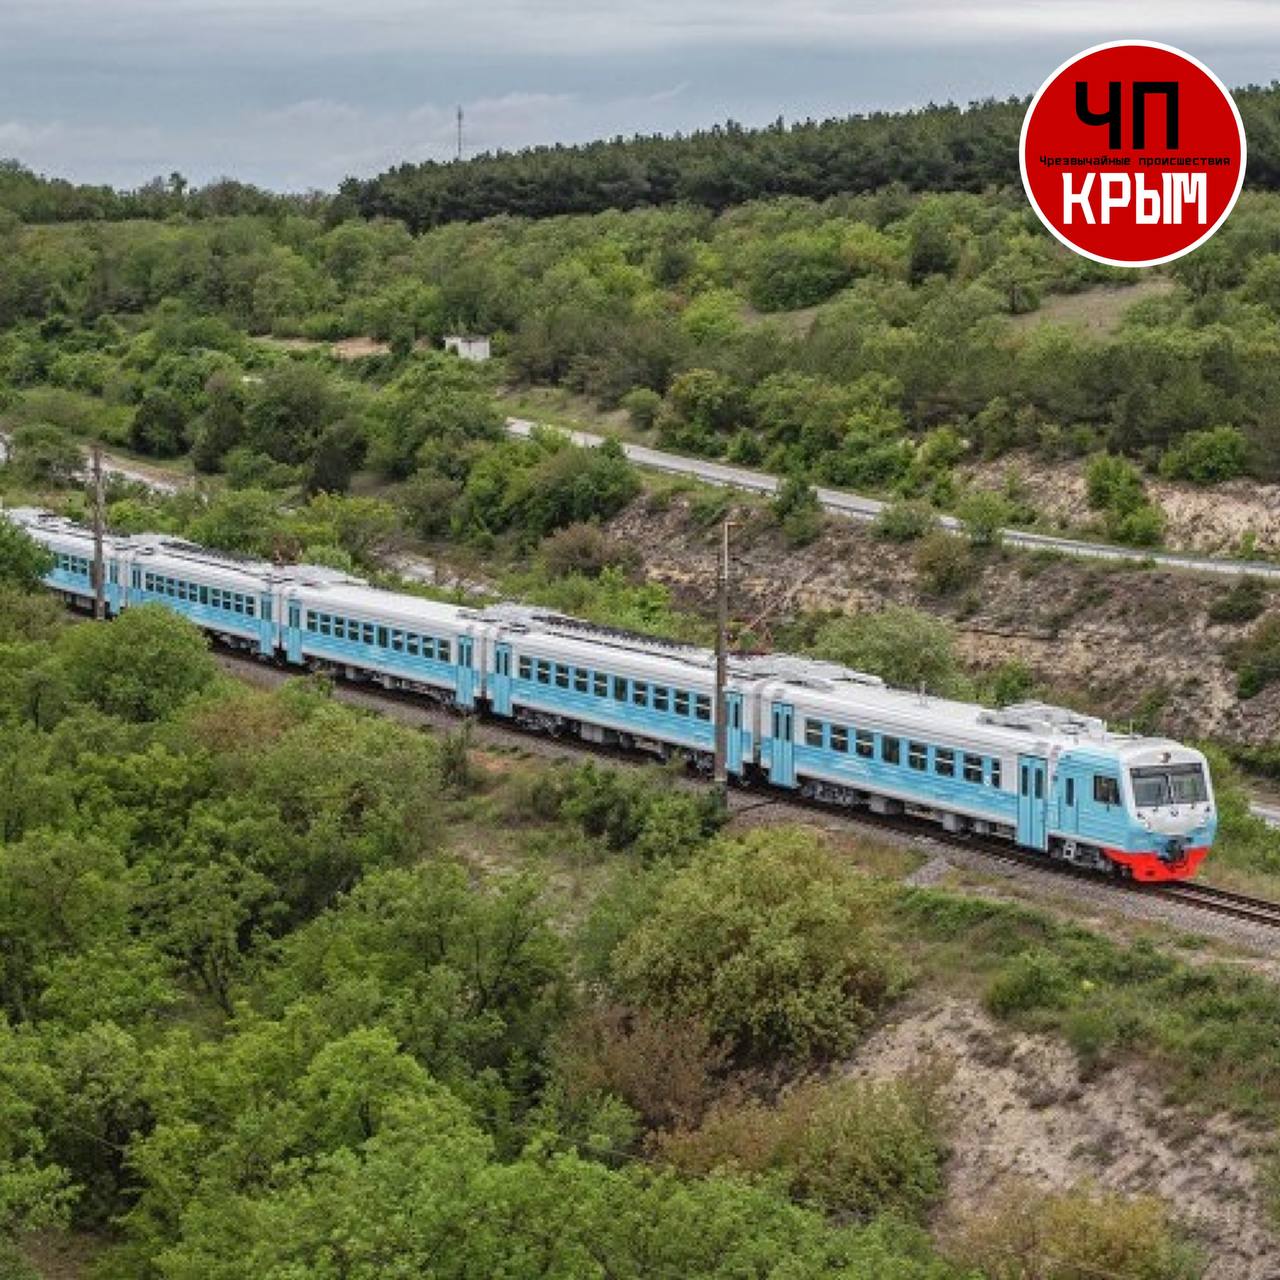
797, 510
944, 563
1207, 457
642, 405
905, 521
23, 560
1032, 980
770, 941
855, 1147
1065, 1235
904, 646
983, 513
665, 1070
1113, 484
585, 549
1256, 658
140, 667
1141, 526
1242, 601
629, 812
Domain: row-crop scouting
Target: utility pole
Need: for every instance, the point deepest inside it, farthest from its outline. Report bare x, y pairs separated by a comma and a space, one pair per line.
459, 131
99, 569
720, 769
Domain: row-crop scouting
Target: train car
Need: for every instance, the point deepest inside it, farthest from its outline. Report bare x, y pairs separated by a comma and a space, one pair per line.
72, 547
231, 597
338, 623
1044, 777
561, 675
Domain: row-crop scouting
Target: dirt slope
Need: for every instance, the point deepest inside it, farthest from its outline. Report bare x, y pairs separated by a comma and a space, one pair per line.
1021, 1111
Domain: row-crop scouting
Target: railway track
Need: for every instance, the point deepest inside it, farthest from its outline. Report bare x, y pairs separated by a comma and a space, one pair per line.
1225, 902
1260, 912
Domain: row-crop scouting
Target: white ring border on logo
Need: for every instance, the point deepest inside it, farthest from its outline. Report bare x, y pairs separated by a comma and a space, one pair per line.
1035, 102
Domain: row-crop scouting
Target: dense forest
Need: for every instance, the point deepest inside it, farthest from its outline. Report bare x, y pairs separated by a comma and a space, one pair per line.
877, 342
935, 148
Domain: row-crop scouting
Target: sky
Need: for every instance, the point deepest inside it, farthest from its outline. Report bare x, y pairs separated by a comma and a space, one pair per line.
298, 94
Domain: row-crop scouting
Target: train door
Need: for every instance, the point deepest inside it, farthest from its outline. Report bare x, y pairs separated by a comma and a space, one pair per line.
501, 695
733, 709
293, 633
782, 758
1031, 802
266, 625
466, 676
1069, 805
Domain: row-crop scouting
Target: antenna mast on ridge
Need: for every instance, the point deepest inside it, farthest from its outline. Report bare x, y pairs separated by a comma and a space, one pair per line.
459, 131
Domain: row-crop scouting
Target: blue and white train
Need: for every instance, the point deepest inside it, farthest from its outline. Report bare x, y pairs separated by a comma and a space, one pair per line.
1042, 777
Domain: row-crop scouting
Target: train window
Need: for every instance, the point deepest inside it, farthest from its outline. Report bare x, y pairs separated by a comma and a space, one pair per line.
600, 685
619, 688
917, 755
891, 750
640, 693
524, 668
864, 743
972, 768
1105, 790
995, 774
839, 738
661, 699
397, 642
813, 733
544, 671
562, 676
204, 595
581, 680
445, 650
944, 761
383, 639
1039, 784
702, 706
368, 633
1071, 791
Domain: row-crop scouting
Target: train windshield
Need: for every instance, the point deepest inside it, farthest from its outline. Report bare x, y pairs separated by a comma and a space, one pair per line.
1169, 784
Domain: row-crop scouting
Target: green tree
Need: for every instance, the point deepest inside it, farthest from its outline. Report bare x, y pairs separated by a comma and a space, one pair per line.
1207, 457
23, 561
907, 648
140, 667
767, 940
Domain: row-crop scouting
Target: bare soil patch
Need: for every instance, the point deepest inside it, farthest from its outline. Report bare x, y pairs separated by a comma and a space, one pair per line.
1022, 1110
1097, 310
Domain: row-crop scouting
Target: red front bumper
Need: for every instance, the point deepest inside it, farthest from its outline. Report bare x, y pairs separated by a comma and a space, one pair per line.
1149, 866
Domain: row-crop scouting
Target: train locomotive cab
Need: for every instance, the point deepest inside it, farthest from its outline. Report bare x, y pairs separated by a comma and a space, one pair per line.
1171, 815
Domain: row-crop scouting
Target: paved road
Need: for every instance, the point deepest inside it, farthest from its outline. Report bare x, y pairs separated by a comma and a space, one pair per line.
1269, 813
856, 507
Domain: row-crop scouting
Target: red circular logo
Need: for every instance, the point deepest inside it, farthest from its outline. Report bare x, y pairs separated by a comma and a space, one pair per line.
1132, 153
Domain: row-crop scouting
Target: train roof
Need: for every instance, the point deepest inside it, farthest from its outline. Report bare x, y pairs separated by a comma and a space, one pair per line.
357, 596
532, 621
1040, 726
38, 522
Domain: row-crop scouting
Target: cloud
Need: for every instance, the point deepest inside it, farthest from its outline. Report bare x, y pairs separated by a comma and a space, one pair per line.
299, 93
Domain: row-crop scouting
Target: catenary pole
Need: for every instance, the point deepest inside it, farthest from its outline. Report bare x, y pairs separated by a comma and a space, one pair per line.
99, 567
720, 769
